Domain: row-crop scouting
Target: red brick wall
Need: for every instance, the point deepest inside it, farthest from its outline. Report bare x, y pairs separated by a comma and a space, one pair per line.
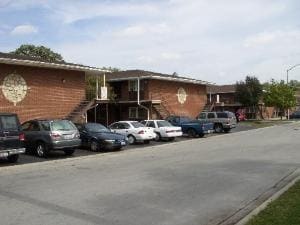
166, 91
48, 96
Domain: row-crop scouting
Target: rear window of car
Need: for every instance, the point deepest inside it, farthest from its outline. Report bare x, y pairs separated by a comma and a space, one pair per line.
164, 124
45, 125
222, 115
62, 125
9, 123
95, 127
137, 124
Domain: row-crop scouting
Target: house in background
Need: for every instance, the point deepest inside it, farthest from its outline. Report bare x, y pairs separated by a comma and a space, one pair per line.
142, 94
39, 89
222, 98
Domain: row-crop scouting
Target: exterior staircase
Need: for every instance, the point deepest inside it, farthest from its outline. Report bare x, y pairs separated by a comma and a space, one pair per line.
162, 111
208, 107
78, 114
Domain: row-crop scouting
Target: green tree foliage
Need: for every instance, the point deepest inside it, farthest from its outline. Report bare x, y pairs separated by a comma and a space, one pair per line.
39, 52
249, 92
280, 95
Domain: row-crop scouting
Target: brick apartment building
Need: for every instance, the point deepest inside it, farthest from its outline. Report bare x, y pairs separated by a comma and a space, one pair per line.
141, 94
39, 89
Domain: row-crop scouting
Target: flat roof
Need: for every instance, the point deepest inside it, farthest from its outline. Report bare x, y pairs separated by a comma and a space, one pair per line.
141, 74
11, 59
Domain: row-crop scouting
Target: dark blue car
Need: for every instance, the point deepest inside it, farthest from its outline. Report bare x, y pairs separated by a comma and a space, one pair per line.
97, 137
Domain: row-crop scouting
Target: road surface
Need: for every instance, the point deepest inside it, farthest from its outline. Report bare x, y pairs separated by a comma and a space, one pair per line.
196, 182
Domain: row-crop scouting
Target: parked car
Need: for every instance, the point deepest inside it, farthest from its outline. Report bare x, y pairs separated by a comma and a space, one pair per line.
163, 129
97, 137
11, 137
43, 136
223, 121
134, 131
191, 127
295, 115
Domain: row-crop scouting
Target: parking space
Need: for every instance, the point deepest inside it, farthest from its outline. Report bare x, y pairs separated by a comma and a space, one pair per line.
26, 159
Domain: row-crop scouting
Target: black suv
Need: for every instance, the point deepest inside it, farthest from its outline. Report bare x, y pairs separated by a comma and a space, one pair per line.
11, 137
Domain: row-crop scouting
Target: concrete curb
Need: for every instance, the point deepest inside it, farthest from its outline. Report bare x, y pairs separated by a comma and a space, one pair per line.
268, 201
243, 215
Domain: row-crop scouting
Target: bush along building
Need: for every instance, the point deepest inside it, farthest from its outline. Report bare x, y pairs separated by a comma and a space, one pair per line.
139, 95
39, 89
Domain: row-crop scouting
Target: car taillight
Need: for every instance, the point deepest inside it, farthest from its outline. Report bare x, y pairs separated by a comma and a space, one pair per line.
22, 137
141, 132
55, 136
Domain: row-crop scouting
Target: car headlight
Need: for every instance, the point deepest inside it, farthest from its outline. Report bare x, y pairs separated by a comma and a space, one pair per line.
126, 138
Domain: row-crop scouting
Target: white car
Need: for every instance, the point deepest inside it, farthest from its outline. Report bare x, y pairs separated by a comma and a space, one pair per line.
134, 131
163, 129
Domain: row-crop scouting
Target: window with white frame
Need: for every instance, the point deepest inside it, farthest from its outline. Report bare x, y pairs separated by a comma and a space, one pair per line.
132, 85
133, 112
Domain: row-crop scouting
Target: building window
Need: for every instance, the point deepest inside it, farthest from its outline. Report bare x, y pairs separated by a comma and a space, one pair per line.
132, 85
133, 112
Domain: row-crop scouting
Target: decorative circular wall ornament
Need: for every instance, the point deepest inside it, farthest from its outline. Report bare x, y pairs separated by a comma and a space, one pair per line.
181, 95
14, 88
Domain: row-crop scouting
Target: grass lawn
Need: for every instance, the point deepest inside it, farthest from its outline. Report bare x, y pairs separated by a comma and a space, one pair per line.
283, 211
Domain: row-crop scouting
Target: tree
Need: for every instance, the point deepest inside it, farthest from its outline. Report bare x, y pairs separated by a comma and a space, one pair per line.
280, 95
39, 52
249, 92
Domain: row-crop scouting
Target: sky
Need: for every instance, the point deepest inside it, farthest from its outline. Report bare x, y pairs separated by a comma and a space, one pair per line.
213, 40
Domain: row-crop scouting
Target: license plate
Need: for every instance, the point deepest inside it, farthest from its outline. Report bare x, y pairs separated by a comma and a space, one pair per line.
3, 154
123, 143
69, 136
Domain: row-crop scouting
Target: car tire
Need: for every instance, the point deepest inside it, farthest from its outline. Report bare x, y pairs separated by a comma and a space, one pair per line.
218, 128
131, 139
157, 137
227, 130
94, 146
146, 141
69, 152
191, 132
41, 150
13, 158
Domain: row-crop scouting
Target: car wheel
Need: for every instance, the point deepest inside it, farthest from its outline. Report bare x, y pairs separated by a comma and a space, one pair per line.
191, 133
69, 151
218, 128
131, 139
13, 158
226, 130
157, 137
41, 150
94, 146
146, 141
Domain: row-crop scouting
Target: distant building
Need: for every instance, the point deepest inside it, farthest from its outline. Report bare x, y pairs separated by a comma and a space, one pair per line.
142, 94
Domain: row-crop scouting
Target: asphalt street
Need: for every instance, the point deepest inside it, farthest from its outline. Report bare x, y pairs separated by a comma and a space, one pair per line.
198, 181
25, 159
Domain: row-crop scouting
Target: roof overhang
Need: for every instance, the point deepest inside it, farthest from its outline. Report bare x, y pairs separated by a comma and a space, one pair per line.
156, 77
23, 62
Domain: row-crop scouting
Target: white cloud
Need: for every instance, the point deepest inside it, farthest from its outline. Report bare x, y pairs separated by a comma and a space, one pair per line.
143, 29
170, 56
24, 30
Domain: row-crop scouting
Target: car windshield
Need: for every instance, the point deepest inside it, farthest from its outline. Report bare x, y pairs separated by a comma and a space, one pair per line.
137, 124
164, 124
64, 125
9, 122
96, 127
